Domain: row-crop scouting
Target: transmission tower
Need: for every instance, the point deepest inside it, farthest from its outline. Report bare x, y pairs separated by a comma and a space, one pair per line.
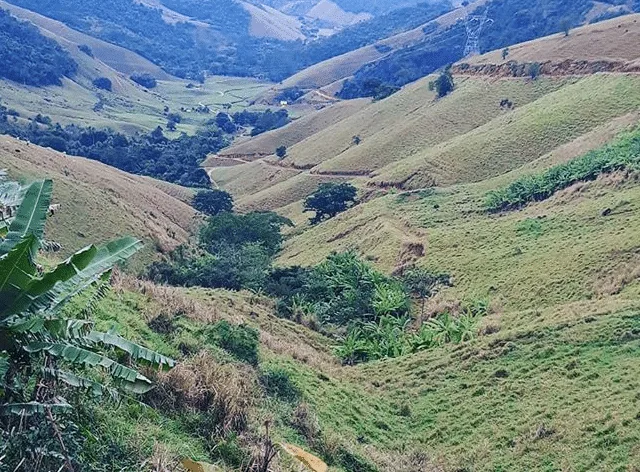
475, 24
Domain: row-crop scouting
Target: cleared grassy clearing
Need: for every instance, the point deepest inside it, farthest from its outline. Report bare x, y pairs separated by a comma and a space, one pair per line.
522, 136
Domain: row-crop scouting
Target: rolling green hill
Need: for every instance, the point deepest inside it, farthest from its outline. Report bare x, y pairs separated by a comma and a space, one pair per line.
544, 378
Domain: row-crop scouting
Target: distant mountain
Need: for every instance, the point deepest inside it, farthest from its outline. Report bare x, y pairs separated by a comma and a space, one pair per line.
192, 38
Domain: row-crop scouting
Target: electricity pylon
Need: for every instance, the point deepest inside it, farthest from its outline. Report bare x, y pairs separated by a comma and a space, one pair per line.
475, 24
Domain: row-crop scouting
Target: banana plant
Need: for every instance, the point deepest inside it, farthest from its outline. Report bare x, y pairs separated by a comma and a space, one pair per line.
33, 325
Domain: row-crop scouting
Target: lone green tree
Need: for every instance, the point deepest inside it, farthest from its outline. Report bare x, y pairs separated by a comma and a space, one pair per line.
212, 202
281, 152
423, 284
444, 84
329, 200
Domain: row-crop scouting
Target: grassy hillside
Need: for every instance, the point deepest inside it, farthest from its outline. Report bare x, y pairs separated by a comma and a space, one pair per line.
610, 41
345, 65
300, 129
519, 137
101, 203
548, 384
403, 143
129, 107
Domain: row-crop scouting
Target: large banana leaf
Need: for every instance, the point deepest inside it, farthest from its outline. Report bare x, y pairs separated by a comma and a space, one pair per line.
33, 408
37, 290
127, 378
73, 380
31, 215
17, 271
136, 352
104, 259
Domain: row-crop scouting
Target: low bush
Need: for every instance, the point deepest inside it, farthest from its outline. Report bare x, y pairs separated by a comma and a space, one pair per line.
145, 79
219, 396
277, 383
624, 154
241, 341
103, 83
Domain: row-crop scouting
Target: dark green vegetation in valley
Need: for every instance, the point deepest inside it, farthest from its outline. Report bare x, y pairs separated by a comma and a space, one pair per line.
190, 51
27, 57
153, 154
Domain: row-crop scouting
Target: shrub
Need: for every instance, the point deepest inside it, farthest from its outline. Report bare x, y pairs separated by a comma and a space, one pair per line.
277, 383
86, 49
306, 423
263, 228
220, 395
212, 202
103, 83
443, 85
281, 152
533, 70
145, 79
241, 341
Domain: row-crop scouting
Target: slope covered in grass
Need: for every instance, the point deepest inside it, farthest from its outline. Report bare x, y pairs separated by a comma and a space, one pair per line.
609, 41
101, 203
265, 144
521, 136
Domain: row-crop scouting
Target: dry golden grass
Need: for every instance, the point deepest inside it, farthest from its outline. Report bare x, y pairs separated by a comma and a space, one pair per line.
251, 178
419, 122
100, 203
228, 391
267, 22
614, 40
265, 144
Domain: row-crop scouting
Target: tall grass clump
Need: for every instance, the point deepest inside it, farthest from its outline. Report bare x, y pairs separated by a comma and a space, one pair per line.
623, 154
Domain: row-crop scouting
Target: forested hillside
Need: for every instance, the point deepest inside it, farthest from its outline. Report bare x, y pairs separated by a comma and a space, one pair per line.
28, 57
512, 22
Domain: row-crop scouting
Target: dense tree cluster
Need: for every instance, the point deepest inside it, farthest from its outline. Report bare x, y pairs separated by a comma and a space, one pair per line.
212, 202
145, 79
152, 154
26, 56
235, 252
261, 122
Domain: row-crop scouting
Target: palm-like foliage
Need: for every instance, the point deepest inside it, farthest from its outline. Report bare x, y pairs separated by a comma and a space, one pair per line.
33, 327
